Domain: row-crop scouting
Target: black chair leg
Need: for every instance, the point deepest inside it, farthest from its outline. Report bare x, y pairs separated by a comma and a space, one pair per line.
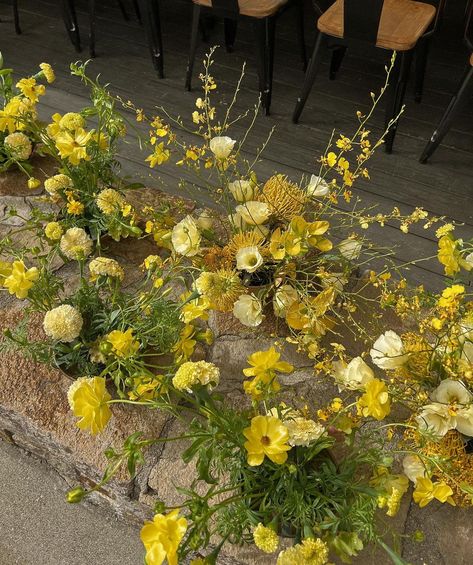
137, 10
456, 104
310, 75
338, 53
193, 47
149, 10
123, 10
397, 90
230, 27
421, 55
92, 9
264, 36
301, 32
16, 17
70, 22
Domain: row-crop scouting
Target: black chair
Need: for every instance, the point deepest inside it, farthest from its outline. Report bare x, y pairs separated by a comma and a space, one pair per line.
460, 98
263, 14
393, 25
16, 17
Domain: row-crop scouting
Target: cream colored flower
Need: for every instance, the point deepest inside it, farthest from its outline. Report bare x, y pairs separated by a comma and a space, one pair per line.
222, 146
303, 431
242, 190
317, 187
254, 212
388, 351
458, 400
76, 244
63, 323
436, 419
104, 266
56, 183
109, 201
469, 259
186, 237
413, 467
53, 231
350, 249
73, 388
249, 259
284, 297
248, 310
18, 145
353, 376
204, 221
237, 222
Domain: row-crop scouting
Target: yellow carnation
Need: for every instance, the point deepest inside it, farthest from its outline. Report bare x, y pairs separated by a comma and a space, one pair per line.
57, 183
72, 121
48, 72
103, 266
190, 374
109, 201
63, 323
18, 145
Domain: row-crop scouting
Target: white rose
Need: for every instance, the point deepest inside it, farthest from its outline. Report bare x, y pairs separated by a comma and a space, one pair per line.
464, 421
186, 237
388, 351
350, 249
254, 212
469, 259
242, 190
352, 376
222, 146
317, 187
413, 467
436, 418
283, 298
248, 310
248, 259
451, 392
204, 221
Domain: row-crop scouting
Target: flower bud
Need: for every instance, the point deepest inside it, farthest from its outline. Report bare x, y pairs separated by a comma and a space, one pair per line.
76, 495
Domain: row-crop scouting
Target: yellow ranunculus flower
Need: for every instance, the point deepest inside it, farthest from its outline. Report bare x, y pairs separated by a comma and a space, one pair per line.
89, 403
426, 491
73, 146
123, 343
265, 361
267, 436
162, 537
375, 402
20, 279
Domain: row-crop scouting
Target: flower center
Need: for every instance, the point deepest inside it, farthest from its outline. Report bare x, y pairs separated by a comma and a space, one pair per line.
265, 440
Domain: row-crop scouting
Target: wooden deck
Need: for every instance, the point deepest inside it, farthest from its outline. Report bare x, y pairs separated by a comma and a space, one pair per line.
443, 187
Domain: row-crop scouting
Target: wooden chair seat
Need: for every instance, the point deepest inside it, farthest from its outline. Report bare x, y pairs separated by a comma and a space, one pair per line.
252, 8
402, 23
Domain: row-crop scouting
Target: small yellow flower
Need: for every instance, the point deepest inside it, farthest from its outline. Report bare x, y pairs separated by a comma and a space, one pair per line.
426, 491
48, 72
375, 402
30, 89
5, 271
159, 156
331, 159
88, 400
53, 231
266, 361
190, 374
18, 145
265, 538
162, 537
33, 183
267, 436
21, 279
73, 146
123, 343
75, 208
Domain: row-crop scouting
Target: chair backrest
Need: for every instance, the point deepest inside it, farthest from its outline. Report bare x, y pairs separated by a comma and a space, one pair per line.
361, 19
469, 27
226, 7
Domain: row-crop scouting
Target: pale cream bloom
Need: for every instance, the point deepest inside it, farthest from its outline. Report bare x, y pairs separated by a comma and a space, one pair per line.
388, 351
283, 298
63, 323
248, 310
303, 431
56, 183
455, 396
186, 237
469, 259
242, 190
237, 221
436, 419
350, 248
317, 187
254, 212
249, 259
104, 266
353, 376
413, 467
222, 146
76, 244
204, 221
18, 145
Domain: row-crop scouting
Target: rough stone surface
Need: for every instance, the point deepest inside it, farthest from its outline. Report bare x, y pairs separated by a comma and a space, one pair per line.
14, 182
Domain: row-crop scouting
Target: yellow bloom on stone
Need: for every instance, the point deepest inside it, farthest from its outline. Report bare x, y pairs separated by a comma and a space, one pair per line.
19, 146
162, 536
267, 436
375, 402
426, 491
75, 208
109, 201
185, 345
194, 309
88, 399
30, 89
72, 121
5, 271
123, 343
265, 538
48, 72
146, 388
57, 183
73, 146
76, 244
21, 279
222, 288
33, 183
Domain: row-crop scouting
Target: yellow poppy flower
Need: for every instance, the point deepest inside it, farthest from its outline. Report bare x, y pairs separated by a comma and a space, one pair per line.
73, 146
162, 536
20, 280
266, 361
267, 436
30, 89
375, 402
426, 491
88, 401
123, 343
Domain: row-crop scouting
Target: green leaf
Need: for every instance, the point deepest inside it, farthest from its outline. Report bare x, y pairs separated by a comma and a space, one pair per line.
396, 559
190, 452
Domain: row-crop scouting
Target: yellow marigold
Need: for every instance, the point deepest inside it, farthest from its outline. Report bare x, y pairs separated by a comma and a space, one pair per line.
53, 231
267, 436
63, 323
30, 89
75, 208
123, 343
18, 145
48, 72
265, 538
76, 244
109, 201
375, 402
222, 288
58, 183
162, 537
106, 267
303, 431
21, 279
284, 198
200, 372
310, 552
89, 402
72, 121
